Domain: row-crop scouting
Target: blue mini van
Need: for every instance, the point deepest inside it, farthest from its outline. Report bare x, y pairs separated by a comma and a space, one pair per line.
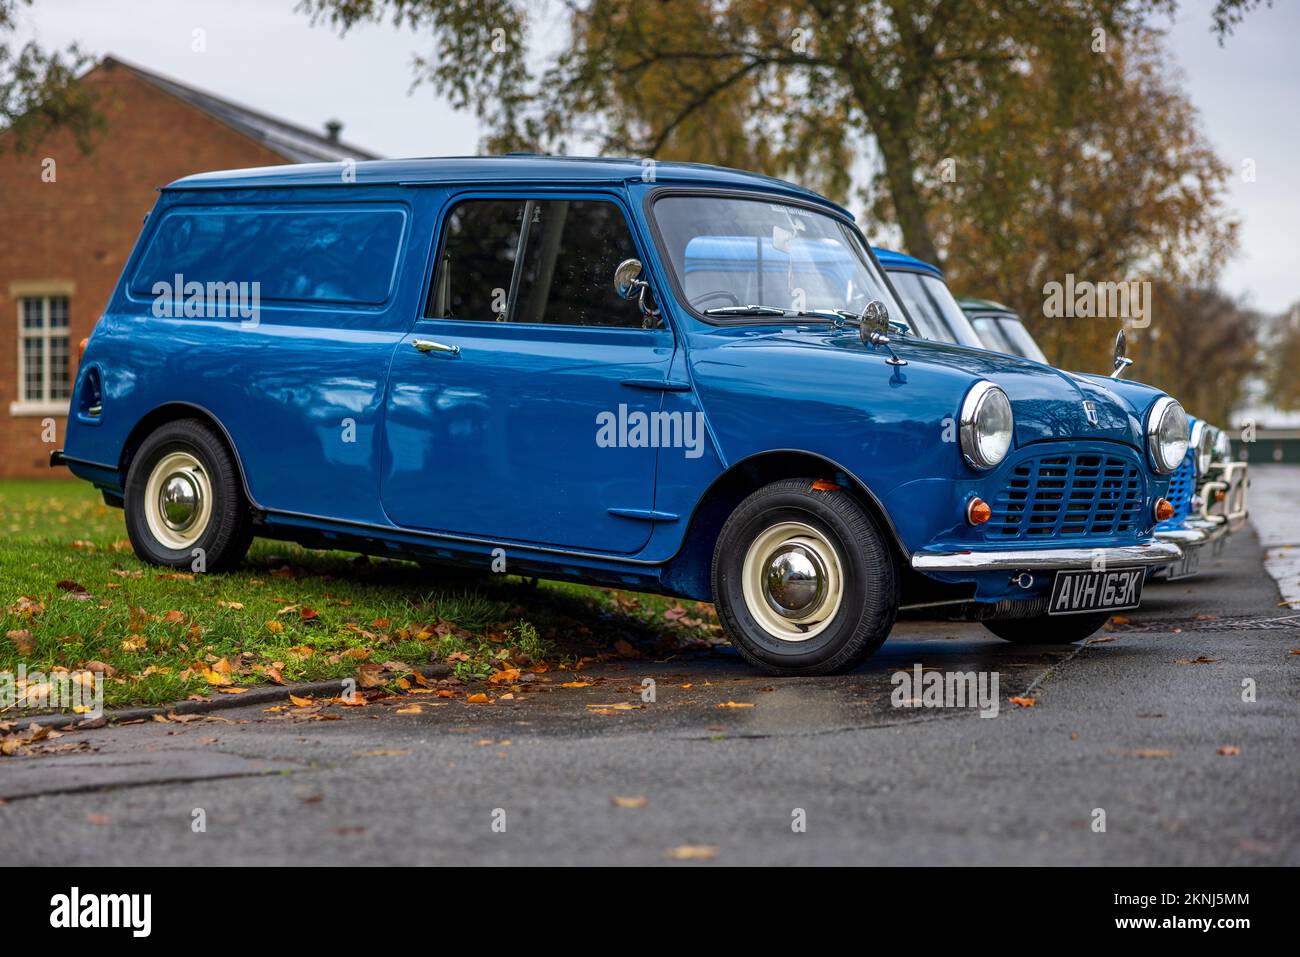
940, 315
1208, 490
677, 378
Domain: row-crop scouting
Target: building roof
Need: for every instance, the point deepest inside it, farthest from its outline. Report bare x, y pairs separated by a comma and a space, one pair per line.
896, 260
517, 167
295, 143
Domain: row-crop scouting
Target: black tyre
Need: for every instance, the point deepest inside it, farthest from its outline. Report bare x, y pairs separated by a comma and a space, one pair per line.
184, 500
804, 580
1048, 629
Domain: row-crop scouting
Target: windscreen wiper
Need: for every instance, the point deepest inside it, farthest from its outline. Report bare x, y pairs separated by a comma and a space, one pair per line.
843, 314
746, 311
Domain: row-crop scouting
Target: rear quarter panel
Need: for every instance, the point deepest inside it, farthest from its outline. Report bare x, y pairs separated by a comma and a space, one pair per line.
300, 391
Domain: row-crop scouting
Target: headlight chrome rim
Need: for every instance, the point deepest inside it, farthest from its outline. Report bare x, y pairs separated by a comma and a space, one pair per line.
971, 435
1165, 459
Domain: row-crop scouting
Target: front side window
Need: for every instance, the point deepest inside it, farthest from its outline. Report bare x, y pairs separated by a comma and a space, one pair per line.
934, 310
740, 258
43, 353
534, 261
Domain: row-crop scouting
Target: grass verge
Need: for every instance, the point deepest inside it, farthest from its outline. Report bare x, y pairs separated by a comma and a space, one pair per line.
74, 596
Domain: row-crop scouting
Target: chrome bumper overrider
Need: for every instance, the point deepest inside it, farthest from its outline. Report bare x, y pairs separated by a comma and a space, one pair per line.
1234, 486
1029, 559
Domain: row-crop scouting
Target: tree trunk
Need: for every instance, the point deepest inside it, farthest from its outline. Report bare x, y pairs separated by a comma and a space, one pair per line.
909, 206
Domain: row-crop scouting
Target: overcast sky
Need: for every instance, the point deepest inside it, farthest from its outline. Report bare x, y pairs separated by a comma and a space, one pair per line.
265, 55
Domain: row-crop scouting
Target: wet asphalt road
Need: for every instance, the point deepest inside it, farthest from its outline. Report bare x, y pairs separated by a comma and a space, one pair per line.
1119, 725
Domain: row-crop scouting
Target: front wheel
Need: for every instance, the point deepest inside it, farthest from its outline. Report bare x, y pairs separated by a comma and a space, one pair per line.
184, 500
803, 579
1048, 629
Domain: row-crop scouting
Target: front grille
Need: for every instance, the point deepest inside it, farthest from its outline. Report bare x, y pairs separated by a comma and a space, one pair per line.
1181, 486
1068, 495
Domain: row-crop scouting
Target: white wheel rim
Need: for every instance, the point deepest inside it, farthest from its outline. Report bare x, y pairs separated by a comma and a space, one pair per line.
178, 501
793, 581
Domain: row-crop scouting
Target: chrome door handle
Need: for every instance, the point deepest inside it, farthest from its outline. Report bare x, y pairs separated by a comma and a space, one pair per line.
428, 345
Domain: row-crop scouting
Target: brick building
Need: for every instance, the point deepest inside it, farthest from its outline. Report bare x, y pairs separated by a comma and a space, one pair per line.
68, 222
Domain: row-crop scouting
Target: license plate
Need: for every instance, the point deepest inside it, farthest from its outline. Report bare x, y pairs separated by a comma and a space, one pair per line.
1187, 566
1115, 589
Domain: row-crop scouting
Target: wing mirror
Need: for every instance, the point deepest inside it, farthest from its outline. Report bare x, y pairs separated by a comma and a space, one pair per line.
628, 284
1122, 362
627, 278
873, 327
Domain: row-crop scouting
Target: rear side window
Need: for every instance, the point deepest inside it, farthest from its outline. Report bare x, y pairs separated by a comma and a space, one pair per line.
327, 254
534, 261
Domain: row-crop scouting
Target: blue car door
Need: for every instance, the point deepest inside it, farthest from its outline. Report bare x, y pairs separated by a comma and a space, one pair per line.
500, 399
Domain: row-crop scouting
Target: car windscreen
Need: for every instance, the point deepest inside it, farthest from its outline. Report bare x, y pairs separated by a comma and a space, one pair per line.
990, 333
933, 308
729, 253
1021, 339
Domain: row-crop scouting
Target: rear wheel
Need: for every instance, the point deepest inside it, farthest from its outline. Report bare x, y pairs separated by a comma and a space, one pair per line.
184, 500
804, 581
1048, 629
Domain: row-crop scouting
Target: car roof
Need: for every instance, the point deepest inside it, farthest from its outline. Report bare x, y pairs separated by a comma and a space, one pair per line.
891, 259
971, 304
514, 167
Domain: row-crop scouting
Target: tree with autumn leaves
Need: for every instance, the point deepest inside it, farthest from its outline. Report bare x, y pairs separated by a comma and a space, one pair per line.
39, 91
1129, 189
1011, 141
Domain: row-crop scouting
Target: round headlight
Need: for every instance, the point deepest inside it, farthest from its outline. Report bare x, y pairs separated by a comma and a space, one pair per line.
1222, 446
1203, 444
986, 425
1167, 434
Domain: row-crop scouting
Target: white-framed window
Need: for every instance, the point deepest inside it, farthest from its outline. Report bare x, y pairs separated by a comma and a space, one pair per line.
44, 354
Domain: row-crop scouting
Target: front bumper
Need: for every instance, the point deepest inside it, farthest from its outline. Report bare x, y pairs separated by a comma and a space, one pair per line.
1051, 559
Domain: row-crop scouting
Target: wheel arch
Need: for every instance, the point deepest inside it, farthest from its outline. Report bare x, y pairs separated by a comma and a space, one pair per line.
174, 412
689, 571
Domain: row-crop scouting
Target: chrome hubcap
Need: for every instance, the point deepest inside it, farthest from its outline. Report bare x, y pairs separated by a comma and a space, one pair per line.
179, 501
792, 580
796, 580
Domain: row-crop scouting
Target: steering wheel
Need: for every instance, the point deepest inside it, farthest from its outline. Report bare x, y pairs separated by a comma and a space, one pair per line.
699, 300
